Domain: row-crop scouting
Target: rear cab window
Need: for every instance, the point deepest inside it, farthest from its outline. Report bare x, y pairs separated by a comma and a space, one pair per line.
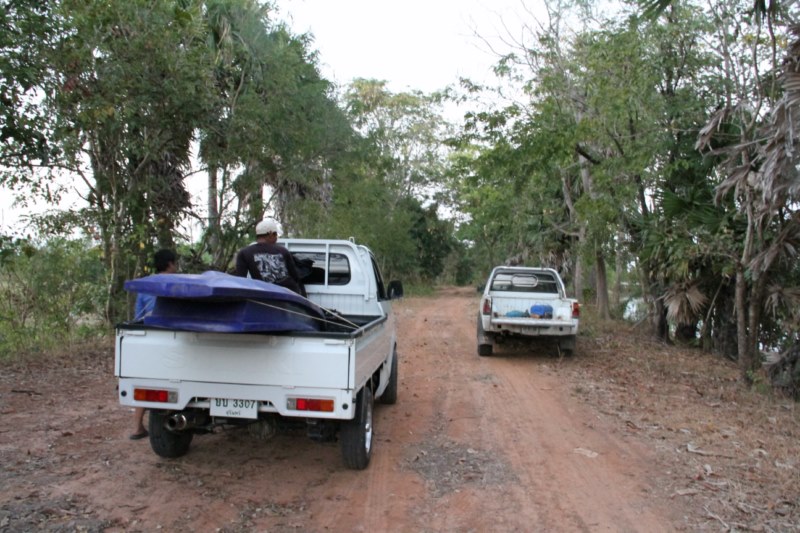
337, 268
535, 282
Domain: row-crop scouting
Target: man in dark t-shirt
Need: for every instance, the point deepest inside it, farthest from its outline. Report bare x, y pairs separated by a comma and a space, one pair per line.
268, 261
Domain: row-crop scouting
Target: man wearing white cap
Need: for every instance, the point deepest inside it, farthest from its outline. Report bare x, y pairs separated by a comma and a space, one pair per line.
268, 261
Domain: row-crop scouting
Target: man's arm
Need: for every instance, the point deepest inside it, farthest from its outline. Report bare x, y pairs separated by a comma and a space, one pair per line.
291, 266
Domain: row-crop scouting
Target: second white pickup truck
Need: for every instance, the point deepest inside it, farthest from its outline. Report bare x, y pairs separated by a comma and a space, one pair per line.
324, 382
526, 302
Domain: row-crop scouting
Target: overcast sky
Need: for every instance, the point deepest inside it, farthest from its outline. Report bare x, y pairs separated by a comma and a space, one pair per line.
413, 44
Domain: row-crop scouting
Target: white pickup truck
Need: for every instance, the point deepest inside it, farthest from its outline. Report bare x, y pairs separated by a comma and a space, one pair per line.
321, 381
526, 302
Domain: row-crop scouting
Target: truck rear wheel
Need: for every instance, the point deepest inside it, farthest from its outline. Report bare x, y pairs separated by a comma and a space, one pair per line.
567, 345
356, 435
165, 442
484, 347
389, 396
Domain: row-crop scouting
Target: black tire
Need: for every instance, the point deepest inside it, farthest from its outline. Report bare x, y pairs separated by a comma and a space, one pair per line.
165, 442
389, 396
567, 346
356, 435
483, 348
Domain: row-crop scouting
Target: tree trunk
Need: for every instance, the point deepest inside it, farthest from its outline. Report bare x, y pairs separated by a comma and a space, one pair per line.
616, 293
602, 285
578, 281
213, 210
660, 324
724, 330
741, 324
752, 362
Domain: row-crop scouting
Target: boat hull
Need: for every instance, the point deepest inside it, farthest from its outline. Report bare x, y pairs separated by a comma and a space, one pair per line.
218, 302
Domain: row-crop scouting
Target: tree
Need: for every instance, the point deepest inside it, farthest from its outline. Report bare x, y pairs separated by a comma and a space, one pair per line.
406, 131
377, 190
274, 123
759, 165
28, 28
131, 86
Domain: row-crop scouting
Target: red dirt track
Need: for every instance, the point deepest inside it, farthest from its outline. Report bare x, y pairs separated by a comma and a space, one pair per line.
520, 441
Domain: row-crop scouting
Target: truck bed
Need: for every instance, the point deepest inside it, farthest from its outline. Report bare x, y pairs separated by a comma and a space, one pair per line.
244, 365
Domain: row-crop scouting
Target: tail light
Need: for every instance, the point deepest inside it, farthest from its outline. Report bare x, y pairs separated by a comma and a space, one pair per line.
576, 310
487, 306
309, 404
155, 395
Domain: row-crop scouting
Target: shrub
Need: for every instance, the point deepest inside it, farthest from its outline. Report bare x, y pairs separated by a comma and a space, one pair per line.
49, 294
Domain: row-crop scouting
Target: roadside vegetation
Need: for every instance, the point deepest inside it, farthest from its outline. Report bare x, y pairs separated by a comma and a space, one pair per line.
649, 151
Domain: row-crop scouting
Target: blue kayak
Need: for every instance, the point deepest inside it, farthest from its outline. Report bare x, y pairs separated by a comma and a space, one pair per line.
219, 302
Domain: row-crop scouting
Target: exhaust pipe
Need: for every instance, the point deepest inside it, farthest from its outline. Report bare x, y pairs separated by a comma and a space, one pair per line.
181, 421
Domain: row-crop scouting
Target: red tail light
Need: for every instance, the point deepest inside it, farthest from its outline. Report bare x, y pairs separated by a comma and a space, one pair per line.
153, 395
576, 310
309, 404
487, 306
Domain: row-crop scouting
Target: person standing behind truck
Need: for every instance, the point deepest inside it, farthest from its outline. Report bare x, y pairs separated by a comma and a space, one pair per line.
268, 261
165, 262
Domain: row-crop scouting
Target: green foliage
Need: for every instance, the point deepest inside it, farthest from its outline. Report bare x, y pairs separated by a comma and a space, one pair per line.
362, 208
273, 122
419, 290
27, 29
405, 130
376, 188
597, 159
50, 294
132, 85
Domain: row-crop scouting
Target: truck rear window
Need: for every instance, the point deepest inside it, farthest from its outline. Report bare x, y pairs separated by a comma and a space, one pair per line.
540, 282
312, 268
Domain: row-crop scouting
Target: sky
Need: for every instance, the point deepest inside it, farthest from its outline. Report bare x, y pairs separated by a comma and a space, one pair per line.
422, 45
413, 44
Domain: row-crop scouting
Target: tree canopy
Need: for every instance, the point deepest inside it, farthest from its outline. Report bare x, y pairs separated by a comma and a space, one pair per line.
651, 152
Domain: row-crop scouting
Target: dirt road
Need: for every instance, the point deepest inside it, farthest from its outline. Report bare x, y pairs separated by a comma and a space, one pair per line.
473, 444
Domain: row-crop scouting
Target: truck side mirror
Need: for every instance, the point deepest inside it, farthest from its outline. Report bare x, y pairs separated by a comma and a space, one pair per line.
395, 289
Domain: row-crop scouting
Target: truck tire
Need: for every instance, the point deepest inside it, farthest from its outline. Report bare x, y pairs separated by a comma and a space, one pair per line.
165, 442
356, 435
484, 348
389, 396
567, 345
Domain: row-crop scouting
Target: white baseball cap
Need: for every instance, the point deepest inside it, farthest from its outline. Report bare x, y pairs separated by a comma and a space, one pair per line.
268, 225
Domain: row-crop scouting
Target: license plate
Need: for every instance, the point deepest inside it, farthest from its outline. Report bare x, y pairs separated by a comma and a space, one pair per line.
234, 408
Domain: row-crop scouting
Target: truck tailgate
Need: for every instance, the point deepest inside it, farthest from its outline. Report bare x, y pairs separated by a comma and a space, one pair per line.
272, 360
531, 322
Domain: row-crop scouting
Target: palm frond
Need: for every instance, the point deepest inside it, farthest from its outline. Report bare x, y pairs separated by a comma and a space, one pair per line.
684, 302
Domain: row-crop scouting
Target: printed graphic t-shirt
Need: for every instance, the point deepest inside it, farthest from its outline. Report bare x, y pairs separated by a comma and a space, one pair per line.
267, 262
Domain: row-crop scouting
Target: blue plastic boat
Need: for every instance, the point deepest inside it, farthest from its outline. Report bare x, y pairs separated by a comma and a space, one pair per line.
218, 302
